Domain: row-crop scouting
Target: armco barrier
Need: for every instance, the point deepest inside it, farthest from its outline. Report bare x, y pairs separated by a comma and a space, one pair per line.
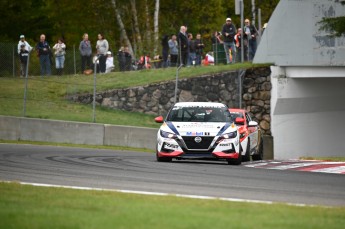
139, 137
30, 129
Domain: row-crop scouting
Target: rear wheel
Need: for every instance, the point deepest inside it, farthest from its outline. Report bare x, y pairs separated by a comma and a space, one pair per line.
260, 152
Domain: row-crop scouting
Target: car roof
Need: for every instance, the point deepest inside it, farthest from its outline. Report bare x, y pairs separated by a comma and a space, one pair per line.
237, 110
201, 104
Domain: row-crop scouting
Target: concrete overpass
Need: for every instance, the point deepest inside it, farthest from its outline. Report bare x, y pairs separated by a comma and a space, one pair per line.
308, 79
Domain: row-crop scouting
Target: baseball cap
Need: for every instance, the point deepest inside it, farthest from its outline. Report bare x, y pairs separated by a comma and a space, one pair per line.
109, 53
21, 36
228, 19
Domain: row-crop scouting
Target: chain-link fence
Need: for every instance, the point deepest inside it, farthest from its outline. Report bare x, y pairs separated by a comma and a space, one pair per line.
10, 62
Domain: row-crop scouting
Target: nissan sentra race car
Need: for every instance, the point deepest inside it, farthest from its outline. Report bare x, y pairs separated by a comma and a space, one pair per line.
198, 130
250, 134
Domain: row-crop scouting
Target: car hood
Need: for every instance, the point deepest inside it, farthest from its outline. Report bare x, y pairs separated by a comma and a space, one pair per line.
199, 128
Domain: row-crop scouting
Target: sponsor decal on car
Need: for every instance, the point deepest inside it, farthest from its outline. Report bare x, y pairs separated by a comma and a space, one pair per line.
228, 144
190, 133
170, 146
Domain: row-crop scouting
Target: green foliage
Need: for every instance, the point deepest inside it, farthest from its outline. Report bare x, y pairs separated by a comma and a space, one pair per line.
71, 19
335, 26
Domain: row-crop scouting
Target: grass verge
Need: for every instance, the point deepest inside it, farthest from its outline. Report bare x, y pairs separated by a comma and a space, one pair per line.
46, 97
25, 206
124, 148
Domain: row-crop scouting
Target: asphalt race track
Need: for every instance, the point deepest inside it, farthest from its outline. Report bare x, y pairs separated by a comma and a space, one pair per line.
137, 171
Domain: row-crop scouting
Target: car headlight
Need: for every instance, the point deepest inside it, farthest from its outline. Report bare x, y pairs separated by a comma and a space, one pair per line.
228, 136
165, 134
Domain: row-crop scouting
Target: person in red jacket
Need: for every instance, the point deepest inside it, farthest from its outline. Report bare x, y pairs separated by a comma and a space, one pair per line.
238, 44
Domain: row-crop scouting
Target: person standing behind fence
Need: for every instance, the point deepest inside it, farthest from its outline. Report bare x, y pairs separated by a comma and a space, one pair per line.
183, 45
173, 46
238, 39
121, 58
128, 59
191, 50
228, 32
60, 52
252, 33
199, 46
165, 51
43, 51
23, 56
21, 42
102, 49
85, 52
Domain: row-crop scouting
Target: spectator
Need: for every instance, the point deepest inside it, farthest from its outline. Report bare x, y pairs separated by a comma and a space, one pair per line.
183, 45
173, 47
102, 49
191, 50
23, 56
228, 32
144, 62
121, 58
109, 63
128, 59
157, 60
165, 51
60, 52
21, 42
216, 38
44, 53
199, 46
238, 39
252, 34
85, 52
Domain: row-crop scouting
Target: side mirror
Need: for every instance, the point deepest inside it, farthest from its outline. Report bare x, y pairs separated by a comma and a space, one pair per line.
252, 124
159, 119
239, 121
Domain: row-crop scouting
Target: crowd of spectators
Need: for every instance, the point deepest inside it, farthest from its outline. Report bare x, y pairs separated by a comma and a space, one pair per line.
179, 49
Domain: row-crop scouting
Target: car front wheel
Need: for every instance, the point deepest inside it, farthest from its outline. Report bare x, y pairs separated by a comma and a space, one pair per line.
163, 159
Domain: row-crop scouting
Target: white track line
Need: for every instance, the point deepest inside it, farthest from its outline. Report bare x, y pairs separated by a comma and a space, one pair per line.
160, 194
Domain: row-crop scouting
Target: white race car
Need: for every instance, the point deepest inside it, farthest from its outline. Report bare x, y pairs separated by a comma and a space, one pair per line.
198, 130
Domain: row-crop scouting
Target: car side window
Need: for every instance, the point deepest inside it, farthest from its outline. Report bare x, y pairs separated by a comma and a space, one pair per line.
248, 118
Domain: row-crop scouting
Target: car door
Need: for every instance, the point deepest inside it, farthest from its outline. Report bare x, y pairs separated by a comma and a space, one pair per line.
253, 132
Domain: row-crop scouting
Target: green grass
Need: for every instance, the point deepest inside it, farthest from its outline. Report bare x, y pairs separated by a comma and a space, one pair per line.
124, 148
46, 98
24, 206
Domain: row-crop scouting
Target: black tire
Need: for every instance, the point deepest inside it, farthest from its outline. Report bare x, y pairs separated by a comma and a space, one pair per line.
163, 159
238, 160
259, 155
246, 157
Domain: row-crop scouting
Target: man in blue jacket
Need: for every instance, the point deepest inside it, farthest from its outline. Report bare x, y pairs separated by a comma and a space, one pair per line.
44, 52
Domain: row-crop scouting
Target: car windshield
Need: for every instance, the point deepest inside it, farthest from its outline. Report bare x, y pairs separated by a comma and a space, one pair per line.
234, 115
199, 114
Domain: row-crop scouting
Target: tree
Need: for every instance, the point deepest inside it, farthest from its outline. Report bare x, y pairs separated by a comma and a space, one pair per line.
336, 25
137, 41
121, 26
155, 26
